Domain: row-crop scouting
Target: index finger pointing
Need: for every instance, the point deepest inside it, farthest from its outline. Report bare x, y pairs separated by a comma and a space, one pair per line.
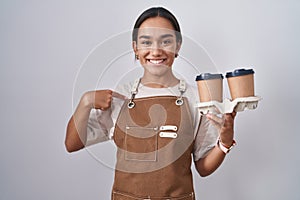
118, 95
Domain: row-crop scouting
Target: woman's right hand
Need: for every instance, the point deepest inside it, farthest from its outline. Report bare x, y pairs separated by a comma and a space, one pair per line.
100, 99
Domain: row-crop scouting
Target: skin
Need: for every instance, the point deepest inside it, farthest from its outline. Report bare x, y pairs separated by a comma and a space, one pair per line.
155, 48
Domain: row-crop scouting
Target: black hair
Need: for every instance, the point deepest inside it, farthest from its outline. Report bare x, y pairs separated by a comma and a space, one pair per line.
157, 12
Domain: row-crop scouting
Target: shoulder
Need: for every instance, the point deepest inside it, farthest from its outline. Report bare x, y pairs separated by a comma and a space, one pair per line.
125, 88
191, 91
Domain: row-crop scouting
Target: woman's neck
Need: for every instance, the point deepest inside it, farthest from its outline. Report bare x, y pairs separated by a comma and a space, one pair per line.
159, 82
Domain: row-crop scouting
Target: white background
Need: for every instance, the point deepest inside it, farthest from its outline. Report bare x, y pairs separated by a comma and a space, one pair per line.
43, 44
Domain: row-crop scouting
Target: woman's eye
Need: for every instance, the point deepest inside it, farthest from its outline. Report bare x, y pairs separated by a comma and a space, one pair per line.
166, 42
146, 43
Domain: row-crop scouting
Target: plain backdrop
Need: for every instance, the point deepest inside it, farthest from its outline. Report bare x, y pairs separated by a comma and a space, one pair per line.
43, 45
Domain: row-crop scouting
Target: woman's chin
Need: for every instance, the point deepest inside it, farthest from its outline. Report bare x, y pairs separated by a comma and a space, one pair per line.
157, 71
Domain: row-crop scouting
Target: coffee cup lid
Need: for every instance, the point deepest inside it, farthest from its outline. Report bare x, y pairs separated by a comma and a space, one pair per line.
239, 72
208, 76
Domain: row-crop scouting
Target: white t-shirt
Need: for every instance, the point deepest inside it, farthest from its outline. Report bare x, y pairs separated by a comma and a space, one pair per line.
101, 123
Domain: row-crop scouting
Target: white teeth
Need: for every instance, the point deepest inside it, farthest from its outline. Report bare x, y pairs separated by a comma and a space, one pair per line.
156, 61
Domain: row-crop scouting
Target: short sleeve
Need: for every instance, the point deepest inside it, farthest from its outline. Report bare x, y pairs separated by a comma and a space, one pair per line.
98, 127
101, 124
205, 138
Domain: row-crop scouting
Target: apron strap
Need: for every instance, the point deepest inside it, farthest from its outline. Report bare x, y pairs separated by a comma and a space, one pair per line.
135, 86
134, 91
181, 88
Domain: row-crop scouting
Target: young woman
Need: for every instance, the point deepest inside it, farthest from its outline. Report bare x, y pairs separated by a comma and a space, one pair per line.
153, 120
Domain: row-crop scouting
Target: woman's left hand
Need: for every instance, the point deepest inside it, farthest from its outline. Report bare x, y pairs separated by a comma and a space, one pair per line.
225, 125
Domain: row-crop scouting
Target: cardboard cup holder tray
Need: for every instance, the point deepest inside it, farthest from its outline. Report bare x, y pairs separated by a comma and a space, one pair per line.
228, 106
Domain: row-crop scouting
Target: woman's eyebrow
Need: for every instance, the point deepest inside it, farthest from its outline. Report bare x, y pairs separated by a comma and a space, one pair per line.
144, 36
149, 37
166, 35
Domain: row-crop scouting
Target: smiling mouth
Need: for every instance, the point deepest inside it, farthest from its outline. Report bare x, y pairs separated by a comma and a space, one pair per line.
156, 62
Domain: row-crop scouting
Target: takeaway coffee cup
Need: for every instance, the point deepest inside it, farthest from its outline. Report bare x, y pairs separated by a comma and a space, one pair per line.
210, 87
241, 83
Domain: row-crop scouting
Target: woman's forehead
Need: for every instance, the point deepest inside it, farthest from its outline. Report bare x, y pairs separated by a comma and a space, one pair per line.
155, 32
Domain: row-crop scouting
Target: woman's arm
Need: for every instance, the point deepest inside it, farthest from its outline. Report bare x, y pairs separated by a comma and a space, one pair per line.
207, 165
77, 126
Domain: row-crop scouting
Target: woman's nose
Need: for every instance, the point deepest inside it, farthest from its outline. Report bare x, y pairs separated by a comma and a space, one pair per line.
156, 50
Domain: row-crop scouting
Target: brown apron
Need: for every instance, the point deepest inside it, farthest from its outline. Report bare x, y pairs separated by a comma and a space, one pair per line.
154, 136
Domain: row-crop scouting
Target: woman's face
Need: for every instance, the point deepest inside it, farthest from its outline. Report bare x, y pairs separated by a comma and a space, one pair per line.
156, 45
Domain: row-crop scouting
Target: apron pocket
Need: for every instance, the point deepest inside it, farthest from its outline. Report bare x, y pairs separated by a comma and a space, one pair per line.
141, 143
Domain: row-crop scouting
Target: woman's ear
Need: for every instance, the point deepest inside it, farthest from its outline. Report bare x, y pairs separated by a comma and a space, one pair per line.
134, 46
178, 46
